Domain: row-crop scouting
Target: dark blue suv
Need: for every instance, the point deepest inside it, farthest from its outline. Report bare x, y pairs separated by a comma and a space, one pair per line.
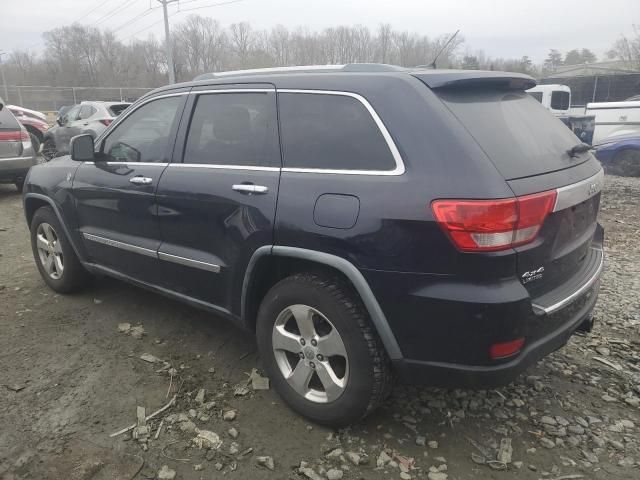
365, 221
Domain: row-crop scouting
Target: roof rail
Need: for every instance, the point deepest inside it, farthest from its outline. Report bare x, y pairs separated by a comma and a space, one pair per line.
351, 67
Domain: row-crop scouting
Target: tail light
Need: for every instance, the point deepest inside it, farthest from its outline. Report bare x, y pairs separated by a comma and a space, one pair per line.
106, 121
492, 225
15, 136
506, 349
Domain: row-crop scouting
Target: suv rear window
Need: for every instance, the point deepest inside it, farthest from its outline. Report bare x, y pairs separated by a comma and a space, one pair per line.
517, 133
334, 132
116, 110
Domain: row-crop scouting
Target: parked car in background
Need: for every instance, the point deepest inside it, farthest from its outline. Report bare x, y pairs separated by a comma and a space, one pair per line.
557, 99
35, 122
87, 117
440, 225
16, 152
620, 154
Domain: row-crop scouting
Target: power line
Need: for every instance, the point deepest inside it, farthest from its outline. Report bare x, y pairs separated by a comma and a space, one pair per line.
110, 14
207, 6
177, 12
140, 16
91, 11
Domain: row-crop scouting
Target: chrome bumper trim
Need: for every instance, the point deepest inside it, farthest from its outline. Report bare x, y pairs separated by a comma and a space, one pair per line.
539, 309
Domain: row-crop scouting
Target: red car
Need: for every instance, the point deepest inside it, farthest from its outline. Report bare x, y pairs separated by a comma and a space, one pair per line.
35, 123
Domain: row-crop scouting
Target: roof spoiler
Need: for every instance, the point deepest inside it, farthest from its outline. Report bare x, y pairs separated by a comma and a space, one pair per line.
457, 79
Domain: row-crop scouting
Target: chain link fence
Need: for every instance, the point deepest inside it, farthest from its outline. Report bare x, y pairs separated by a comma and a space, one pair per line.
50, 99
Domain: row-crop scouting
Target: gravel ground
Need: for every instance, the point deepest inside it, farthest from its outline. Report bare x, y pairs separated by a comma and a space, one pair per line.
69, 378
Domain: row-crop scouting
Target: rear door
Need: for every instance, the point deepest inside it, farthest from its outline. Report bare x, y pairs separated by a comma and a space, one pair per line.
217, 201
529, 147
115, 195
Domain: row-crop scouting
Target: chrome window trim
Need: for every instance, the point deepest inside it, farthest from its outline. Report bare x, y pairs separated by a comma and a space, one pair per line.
121, 118
226, 167
131, 164
578, 192
398, 170
539, 309
121, 245
210, 267
234, 90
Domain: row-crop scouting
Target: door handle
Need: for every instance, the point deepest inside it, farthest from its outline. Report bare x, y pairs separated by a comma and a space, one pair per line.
250, 188
141, 180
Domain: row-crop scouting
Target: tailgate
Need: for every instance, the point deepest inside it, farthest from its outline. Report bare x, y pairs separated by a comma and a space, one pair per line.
569, 244
529, 147
10, 141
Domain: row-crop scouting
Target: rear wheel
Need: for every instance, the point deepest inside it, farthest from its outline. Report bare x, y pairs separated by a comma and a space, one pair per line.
19, 184
626, 163
320, 350
55, 258
49, 150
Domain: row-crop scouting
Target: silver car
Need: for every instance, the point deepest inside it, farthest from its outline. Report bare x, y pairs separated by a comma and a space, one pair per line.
87, 117
16, 152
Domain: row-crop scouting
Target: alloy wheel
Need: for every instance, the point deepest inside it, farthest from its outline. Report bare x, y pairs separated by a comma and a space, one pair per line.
49, 250
310, 353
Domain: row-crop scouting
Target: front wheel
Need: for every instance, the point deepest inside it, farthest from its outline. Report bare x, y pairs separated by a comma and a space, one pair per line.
55, 258
320, 350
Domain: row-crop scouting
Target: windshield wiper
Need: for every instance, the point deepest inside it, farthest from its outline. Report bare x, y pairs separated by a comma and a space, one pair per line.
579, 148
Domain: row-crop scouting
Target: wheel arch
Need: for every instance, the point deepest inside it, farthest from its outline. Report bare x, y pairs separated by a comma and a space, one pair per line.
270, 264
34, 201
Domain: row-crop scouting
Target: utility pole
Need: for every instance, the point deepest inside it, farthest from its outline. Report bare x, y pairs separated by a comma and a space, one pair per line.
167, 40
4, 80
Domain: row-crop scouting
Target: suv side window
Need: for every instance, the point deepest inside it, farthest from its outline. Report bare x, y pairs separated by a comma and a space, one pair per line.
86, 111
238, 129
560, 100
334, 132
144, 136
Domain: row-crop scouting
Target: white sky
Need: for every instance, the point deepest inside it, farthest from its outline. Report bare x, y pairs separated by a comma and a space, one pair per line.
502, 28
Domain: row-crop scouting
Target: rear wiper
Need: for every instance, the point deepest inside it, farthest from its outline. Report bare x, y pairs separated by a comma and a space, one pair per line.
579, 148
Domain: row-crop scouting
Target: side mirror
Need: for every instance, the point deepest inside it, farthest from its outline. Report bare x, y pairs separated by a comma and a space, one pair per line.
81, 148
60, 121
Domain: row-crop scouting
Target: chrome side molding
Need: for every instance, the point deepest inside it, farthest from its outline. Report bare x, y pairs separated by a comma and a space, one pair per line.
189, 262
210, 267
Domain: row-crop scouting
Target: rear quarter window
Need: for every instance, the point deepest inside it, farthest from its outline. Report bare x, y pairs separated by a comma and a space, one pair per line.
560, 100
331, 132
116, 110
7, 120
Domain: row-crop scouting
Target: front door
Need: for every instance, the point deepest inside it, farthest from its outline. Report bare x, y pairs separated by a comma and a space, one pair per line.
115, 195
217, 206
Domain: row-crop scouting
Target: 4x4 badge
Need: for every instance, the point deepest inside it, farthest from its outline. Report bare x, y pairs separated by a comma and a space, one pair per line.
532, 275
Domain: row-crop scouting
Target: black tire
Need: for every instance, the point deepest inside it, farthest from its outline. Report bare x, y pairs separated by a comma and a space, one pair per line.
19, 185
370, 377
73, 276
49, 150
625, 163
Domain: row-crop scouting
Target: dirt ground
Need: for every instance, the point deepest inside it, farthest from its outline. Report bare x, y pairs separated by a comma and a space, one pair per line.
69, 378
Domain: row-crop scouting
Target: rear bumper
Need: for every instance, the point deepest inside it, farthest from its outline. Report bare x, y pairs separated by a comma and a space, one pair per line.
446, 327
482, 376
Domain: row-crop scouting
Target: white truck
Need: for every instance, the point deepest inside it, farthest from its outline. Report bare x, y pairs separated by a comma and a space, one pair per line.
614, 118
557, 99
